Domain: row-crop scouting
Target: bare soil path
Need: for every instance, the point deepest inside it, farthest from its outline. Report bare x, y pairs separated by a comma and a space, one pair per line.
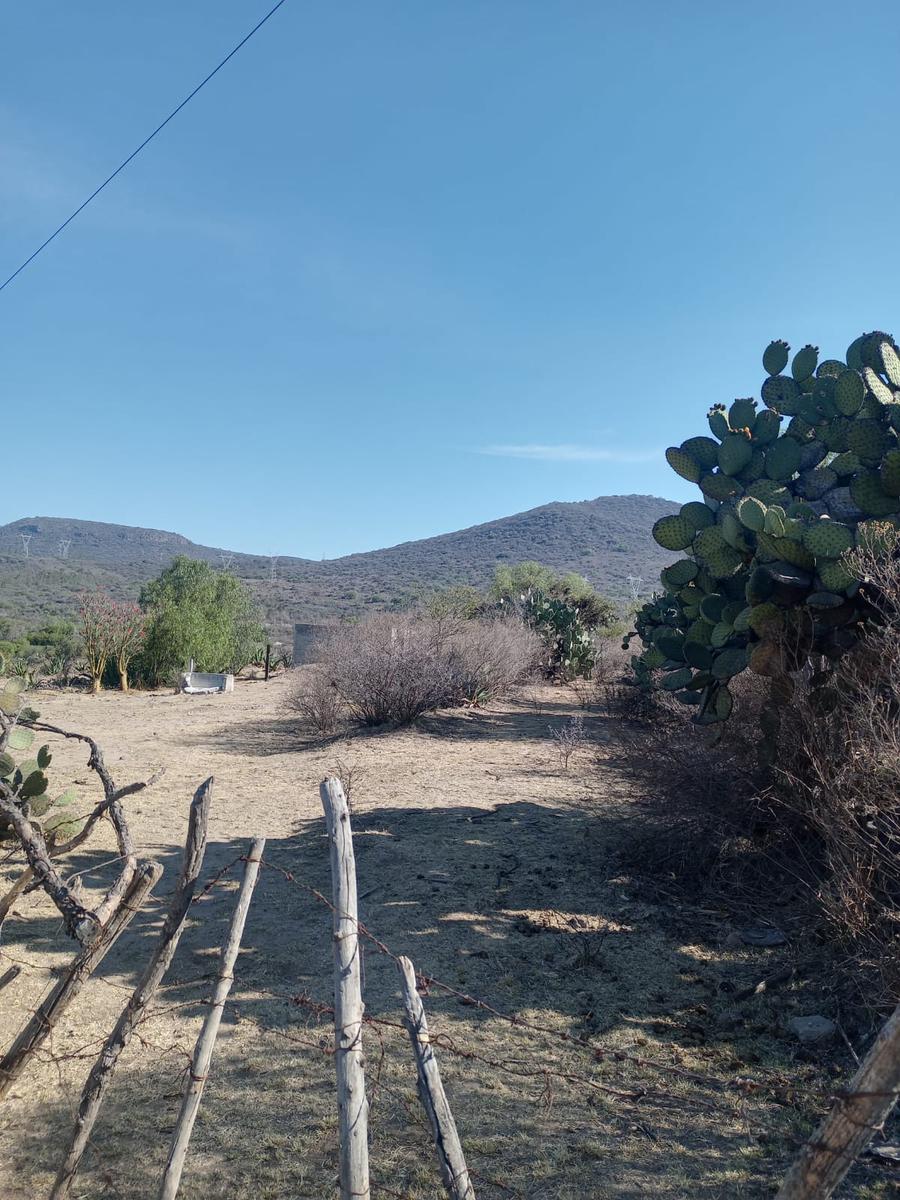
495, 870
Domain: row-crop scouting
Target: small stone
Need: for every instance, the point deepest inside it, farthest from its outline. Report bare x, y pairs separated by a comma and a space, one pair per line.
765, 935
813, 1031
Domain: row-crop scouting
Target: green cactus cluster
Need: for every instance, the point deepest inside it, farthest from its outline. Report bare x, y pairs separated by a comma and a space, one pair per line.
26, 776
789, 487
571, 652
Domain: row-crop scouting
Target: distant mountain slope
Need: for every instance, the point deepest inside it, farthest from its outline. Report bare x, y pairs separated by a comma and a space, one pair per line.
606, 540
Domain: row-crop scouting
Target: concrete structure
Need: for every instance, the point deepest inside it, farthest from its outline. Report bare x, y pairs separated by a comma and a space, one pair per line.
203, 683
305, 638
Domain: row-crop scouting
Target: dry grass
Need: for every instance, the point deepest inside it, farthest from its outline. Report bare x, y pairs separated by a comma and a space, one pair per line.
496, 872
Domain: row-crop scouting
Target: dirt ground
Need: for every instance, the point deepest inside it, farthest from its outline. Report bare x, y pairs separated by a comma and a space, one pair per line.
496, 870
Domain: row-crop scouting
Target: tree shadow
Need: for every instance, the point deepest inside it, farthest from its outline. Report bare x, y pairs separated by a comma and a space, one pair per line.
520, 906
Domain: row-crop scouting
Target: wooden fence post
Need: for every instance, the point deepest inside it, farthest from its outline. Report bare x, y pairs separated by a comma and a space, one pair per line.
871, 1094
151, 978
454, 1172
71, 982
353, 1107
203, 1050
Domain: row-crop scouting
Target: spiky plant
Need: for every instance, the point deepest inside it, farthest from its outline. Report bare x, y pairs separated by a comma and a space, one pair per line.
788, 490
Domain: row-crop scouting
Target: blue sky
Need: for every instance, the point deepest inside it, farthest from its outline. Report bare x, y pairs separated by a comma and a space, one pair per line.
401, 268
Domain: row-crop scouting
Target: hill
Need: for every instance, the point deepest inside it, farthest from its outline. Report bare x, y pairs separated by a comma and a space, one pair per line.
606, 540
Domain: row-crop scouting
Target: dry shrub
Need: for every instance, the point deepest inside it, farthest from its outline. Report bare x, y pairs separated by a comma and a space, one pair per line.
822, 827
701, 816
838, 775
491, 657
394, 668
318, 700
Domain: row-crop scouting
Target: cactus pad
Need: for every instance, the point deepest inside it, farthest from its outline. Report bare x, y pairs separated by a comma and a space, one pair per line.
890, 472
868, 493
782, 459
679, 574
775, 357
742, 414
804, 363
828, 539
684, 464
782, 394
718, 487
734, 453
673, 532
869, 441
704, 449
814, 484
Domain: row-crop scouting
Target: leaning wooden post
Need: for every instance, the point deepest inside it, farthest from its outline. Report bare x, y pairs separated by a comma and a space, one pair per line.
353, 1107
203, 1050
856, 1115
454, 1172
68, 986
160, 960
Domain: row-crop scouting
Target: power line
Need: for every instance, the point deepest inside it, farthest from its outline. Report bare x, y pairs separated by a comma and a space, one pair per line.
135, 153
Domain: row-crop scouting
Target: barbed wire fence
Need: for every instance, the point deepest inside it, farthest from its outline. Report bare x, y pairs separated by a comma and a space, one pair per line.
857, 1111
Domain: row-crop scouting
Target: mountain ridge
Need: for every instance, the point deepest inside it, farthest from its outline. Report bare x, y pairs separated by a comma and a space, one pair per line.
606, 539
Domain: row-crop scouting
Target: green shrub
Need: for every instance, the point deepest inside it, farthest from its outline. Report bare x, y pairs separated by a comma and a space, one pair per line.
194, 612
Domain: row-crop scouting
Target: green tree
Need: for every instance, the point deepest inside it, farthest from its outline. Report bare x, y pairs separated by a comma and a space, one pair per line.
194, 612
514, 583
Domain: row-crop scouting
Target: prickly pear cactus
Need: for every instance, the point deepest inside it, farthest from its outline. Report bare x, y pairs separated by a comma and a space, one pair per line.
788, 489
25, 775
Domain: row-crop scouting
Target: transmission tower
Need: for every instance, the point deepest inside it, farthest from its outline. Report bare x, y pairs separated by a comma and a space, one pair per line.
227, 561
64, 544
634, 582
26, 538
273, 569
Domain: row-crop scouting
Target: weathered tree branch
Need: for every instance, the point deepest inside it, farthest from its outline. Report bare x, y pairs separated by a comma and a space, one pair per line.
80, 922
67, 987
102, 1071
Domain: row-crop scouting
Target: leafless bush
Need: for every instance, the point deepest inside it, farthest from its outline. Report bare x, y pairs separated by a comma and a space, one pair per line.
490, 657
700, 807
318, 700
569, 738
394, 668
349, 775
838, 773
